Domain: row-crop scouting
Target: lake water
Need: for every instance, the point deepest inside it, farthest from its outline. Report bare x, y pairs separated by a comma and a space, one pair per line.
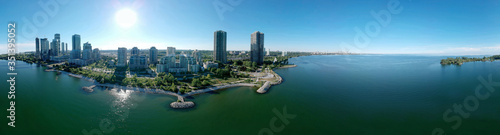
365, 94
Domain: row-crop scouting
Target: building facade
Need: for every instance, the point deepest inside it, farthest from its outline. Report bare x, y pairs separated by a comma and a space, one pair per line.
134, 51
122, 57
210, 64
62, 48
170, 64
257, 47
37, 44
96, 54
87, 51
138, 62
55, 47
76, 48
197, 57
66, 51
220, 38
170, 51
44, 45
153, 55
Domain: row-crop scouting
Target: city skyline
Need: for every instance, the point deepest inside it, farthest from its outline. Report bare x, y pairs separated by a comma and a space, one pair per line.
418, 27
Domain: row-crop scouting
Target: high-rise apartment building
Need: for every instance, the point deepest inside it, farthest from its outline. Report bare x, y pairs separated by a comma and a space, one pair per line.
220, 38
153, 55
257, 47
122, 57
87, 51
76, 50
170, 51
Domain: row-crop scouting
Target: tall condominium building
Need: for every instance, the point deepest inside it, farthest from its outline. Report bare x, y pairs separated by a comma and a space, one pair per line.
134, 51
76, 51
54, 47
138, 62
96, 55
44, 45
220, 38
257, 47
122, 57
268, 52
66, 51
57, 44
62, 48
57, 36
153, 55
197, 57
87, 51
170, 51
37, 44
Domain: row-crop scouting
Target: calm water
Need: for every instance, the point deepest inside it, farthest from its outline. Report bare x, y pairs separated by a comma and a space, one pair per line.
369, 94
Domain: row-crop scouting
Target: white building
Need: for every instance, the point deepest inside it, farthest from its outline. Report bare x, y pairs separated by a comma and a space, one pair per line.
210, 64
170, 51
185, 63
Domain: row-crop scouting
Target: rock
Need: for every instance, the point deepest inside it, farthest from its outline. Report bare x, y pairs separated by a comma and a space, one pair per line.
182, 105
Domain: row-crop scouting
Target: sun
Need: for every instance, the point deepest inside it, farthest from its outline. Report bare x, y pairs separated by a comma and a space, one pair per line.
126, 18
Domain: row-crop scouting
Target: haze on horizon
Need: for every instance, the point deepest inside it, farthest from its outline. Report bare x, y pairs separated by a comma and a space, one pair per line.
463, 27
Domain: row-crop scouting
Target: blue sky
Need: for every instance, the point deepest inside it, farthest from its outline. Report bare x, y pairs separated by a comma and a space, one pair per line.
420, 27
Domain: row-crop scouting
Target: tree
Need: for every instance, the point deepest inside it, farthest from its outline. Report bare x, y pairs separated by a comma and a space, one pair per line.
173, 88
205, 83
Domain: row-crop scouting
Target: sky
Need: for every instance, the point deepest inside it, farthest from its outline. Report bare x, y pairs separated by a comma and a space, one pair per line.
462, 27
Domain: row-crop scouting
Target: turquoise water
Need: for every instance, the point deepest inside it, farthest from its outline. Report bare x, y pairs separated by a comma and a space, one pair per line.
367, 94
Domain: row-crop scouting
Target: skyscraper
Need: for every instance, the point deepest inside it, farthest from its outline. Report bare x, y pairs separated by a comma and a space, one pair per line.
153, 55
137, 61
37, 43
76, 52
62, 48
220, 46
134, 51
197, 57
268, 52
57, 44
66, 51
57, 36
87, 51
170, 51
122, 57
96, 55
44, 45
257, 47
54, 47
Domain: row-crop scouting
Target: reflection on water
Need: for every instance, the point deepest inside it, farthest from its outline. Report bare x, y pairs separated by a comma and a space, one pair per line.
121, 95
121, 104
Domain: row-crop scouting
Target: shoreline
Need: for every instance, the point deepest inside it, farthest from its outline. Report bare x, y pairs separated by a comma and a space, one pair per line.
180, 103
